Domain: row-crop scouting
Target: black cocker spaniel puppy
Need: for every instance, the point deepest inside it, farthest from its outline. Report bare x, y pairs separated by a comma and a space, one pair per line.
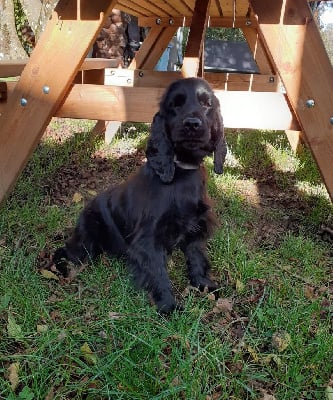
164, 205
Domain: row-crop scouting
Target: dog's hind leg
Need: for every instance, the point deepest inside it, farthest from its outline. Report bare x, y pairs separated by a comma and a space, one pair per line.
77, 250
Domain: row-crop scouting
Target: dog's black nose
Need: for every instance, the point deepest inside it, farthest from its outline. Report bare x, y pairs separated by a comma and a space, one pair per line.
192, 123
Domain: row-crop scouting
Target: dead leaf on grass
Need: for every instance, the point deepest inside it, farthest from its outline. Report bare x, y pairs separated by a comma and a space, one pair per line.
42, 328
309, 292
77, 197
50, 394
88, 354
239, 286
14, 330
266, 395
49, 274
281, 340
13, 376
223, 305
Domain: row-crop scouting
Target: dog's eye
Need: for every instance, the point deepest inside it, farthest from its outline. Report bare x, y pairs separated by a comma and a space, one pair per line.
205, 101
178, 101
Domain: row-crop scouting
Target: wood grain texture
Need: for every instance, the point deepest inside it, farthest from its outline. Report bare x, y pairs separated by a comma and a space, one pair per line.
292, 38
53, 64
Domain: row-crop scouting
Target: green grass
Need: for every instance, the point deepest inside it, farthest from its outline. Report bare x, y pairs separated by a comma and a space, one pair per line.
97, 337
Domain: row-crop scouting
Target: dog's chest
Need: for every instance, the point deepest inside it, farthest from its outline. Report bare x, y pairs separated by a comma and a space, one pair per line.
184, 217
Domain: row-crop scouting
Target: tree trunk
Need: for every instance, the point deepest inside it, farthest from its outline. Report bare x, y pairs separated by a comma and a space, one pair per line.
38, 12
10, 45
32, 10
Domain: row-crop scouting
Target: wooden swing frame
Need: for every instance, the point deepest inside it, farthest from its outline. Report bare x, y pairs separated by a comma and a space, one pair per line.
57, 80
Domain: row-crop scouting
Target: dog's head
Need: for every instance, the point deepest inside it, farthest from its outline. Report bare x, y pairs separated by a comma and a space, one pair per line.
187, 127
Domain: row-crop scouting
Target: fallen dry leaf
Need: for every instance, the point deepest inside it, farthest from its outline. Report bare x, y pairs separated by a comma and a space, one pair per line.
13, 377
281, 340
13, 329
77, 197
223, 305
266, 395
88, 354
42, 328
49, 274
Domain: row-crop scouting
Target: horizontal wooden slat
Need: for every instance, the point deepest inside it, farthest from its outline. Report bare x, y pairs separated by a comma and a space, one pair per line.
214, 22
225, 81
11, 68
176, 8
239, 109
15, 67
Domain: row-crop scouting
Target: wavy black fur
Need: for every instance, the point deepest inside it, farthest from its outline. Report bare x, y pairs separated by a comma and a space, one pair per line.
164, 205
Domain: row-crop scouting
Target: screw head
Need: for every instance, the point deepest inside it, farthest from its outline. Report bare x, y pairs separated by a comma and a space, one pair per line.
158, 21
248, 23
331, 120
171, 21
23, 102
271, 79
141, 74
46, 89
310, 103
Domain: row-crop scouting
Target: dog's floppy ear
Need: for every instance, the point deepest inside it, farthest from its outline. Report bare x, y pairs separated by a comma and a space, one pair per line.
218, 138
159, 152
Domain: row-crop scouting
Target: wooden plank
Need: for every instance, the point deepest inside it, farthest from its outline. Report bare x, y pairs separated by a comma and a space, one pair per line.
239, 109
43, 84
15, 67
214, 22
291, 36
145, 7
195, 40
153, 47
158, 79
259, 53
11, 68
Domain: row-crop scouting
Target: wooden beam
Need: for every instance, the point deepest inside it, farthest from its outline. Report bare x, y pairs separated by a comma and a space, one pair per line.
239, 109
41, 89
195, 40
213, 22
15, 67
292, 38
153, 47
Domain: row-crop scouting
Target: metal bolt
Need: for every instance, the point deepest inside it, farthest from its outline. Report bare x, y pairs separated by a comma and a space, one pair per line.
113, 73
158, 21
129, 80
141, 74
271, 79
310, 103
248, 23
46, 89
171, 21
331, 120
23, 102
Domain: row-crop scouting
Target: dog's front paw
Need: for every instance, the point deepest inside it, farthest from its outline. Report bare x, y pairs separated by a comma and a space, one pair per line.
61, 262
204, 283
167, 306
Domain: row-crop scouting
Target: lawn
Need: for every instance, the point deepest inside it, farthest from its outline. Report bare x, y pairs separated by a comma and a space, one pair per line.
268, 335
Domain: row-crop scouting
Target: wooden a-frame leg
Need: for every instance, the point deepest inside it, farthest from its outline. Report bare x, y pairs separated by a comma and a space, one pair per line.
42, 88
266, 66
291, 36
153, 47
196, 39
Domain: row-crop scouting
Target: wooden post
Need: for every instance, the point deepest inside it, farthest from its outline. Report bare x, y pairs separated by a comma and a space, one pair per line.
292, 38
44, 83
195, 40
